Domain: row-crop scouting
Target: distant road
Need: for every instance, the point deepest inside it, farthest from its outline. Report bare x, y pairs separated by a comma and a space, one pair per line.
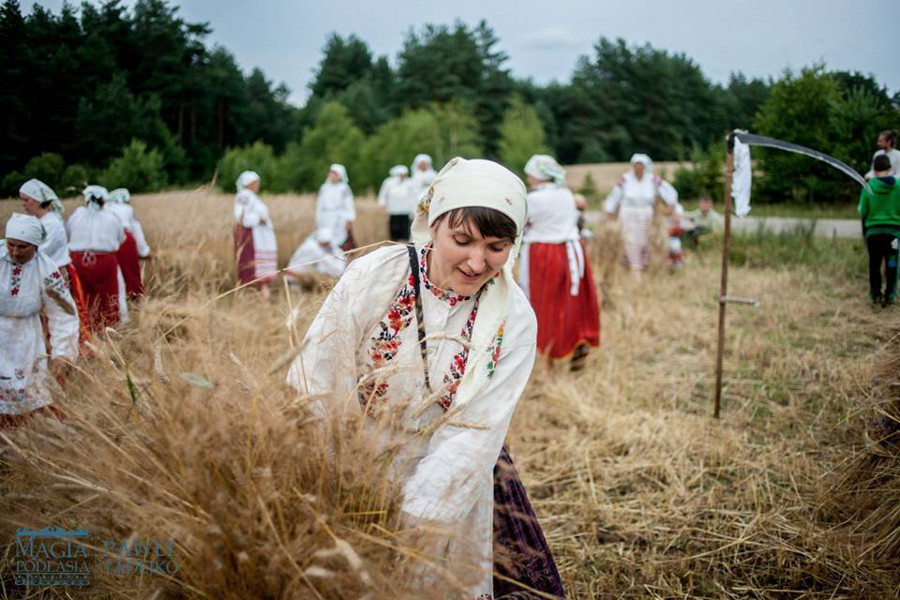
842, 228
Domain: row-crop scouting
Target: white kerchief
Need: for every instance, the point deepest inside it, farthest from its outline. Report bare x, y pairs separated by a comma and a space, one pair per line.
25, 228
246, 178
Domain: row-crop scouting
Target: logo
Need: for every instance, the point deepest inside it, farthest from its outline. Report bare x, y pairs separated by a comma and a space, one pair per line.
56, 556
52, 556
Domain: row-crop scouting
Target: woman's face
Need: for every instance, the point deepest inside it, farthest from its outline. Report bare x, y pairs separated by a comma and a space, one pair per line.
20, 252
31, 206
254, 187
462, 260
638, 170
533, 181
334, 177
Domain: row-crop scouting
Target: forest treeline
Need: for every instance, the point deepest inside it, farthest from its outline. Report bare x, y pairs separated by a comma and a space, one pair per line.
138, 97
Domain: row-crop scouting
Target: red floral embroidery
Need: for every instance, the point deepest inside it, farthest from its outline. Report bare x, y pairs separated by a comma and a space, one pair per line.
453, 378
438, 293
15, 280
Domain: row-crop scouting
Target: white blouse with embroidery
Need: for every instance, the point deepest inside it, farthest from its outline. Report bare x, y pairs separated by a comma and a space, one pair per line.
56, 245
24, 290
363, 347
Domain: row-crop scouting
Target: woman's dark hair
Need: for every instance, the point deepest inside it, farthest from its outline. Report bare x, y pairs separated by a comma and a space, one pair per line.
881, 163
890, 135
46, 204
489, 222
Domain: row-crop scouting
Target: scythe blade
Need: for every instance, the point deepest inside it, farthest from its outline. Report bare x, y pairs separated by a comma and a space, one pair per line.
760, 140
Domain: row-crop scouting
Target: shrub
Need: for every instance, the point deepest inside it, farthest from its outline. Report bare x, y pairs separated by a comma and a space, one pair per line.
260, 158
137, 169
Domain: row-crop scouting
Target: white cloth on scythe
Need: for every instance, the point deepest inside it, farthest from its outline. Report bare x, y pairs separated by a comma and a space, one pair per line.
742, 178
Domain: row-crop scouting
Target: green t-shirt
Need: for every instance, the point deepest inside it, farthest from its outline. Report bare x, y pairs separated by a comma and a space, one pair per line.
880, 209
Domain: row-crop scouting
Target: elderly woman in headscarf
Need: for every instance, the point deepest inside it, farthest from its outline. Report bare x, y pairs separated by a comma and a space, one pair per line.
255, 245
95, 235
396, 198
421, 176
29, 283
335, 209
554, 272
128, 254
634, 197
39, 200
431, 345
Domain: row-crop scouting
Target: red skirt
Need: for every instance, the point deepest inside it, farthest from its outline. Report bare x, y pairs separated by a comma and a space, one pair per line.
564, 321
98, 272
243, 253
84, 320
130, 263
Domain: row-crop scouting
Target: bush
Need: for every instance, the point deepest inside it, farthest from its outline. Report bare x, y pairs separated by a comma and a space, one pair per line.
48, 167
260, 158
521, 136
11, 183
137, 169
74, 179
705, 176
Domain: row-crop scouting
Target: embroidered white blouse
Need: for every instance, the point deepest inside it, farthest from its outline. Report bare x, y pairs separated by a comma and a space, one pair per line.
94, 230
24, 290
334, 208
632, 192
363, 347
56, 246
398, 196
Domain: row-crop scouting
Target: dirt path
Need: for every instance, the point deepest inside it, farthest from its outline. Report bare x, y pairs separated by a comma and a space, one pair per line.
842, 228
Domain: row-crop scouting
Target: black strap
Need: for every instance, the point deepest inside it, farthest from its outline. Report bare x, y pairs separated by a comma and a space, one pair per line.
420, 319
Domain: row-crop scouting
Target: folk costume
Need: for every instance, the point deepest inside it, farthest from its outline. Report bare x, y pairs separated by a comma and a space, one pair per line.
255, 246
422, 173
635, 200
25, 290
554, 272
397, 198
335, 208
56, 247
317, 254
128, 254
95, 235
466, 360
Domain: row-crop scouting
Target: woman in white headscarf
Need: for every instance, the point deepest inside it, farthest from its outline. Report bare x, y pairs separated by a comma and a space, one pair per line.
432, 345
128, 254
31, 282
255, 246
422, 173
317, 254
397, 199
554, 272
40, 201
95, 235
634, 197
123, 196
335, 208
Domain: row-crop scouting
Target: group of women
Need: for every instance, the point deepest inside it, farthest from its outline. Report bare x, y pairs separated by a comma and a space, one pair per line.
432, 341
60, 283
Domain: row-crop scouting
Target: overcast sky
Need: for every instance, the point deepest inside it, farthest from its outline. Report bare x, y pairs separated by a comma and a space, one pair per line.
544, 38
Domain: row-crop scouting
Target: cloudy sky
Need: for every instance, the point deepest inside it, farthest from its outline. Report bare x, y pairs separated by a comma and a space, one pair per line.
544, 38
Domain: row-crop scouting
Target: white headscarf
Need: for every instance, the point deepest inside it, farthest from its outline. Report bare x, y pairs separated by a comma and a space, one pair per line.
398, 170
25, 228
340, 170
644, 160
420, 158
120, 195
92, 193
246, 178
41, 192
477, 183
323, 235
545, 168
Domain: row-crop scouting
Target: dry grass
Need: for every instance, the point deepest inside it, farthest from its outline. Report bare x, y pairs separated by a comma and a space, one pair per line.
641, 495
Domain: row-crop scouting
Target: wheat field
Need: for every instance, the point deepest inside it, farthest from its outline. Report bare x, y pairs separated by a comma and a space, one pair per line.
181, 428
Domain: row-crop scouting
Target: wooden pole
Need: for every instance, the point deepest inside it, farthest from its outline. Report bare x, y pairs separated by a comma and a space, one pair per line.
726, 258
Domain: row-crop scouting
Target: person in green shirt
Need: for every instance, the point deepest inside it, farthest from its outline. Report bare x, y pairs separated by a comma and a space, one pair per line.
880, 212
701, 222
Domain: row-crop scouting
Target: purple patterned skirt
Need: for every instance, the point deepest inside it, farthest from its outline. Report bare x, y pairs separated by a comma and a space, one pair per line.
521, 552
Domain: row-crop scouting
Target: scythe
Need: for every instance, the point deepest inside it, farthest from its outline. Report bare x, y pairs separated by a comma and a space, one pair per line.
752, 139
